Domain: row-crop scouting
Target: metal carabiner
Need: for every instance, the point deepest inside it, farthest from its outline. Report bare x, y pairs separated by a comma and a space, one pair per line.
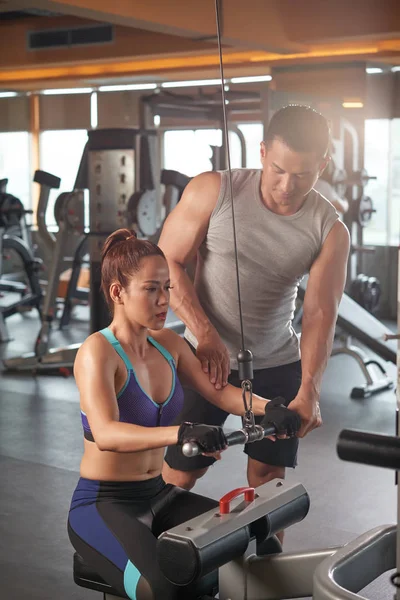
248, 420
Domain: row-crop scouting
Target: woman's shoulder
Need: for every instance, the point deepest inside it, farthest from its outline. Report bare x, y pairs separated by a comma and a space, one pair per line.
95, 348
170, 340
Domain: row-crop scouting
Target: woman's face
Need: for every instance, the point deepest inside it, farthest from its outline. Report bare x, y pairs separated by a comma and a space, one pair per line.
146, 298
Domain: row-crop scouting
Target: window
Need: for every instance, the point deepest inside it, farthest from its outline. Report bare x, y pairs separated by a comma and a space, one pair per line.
15, 165
376, 162
60, 154
253, 135
382, 159
189, 151
394, 187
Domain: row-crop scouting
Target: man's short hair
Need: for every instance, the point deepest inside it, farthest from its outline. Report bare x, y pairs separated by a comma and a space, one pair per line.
301, 128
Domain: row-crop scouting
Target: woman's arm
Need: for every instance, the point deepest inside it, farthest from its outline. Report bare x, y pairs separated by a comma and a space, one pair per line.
95, 369
191, 374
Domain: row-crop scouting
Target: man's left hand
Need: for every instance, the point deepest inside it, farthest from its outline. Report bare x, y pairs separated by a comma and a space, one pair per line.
308, 409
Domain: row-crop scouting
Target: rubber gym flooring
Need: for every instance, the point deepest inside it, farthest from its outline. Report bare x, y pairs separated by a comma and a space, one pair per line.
40, 449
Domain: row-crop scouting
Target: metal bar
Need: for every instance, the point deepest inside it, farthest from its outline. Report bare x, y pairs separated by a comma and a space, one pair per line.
356, 565
276, 577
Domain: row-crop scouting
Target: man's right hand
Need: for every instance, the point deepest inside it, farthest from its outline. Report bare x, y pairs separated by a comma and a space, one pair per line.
286, 421
214, 358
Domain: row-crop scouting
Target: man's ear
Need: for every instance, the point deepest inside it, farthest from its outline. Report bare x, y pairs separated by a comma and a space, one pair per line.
324, 163
263, 151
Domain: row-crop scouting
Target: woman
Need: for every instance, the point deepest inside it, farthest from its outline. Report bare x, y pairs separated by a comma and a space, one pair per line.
130, 391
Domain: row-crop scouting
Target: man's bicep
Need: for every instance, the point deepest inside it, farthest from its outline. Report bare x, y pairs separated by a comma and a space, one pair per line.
182, 235
186, 226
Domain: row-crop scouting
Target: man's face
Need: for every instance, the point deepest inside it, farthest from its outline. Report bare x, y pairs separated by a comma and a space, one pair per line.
288, 175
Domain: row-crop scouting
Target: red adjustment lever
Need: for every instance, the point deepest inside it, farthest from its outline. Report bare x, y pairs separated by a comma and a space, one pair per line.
224, 503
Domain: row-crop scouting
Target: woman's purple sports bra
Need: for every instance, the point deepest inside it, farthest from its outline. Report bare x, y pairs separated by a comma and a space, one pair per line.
135, 406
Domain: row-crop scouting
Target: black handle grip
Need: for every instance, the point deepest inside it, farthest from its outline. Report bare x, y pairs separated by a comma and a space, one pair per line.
235, 438
369, 448
44, 178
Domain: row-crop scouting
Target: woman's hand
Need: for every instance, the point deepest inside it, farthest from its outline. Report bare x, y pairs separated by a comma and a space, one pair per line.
210, 439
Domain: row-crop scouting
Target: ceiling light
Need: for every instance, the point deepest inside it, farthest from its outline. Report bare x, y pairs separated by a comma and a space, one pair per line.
126, 88
255, 79
353, 104
199, 82
57, 92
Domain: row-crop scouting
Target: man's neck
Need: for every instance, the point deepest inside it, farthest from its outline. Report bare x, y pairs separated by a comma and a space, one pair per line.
285, 210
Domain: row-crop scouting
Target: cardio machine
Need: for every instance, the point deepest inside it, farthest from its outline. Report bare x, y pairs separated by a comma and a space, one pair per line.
15, 239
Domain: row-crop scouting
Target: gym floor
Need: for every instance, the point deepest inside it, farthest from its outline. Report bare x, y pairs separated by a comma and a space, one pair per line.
40, 449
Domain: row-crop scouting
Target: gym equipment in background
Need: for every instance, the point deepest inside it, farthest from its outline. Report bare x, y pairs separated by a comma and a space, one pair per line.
69, 211
117, 168
365, 290
15, 242
372, 554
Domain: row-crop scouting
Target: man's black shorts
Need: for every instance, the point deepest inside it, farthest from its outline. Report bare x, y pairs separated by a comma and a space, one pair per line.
277, 381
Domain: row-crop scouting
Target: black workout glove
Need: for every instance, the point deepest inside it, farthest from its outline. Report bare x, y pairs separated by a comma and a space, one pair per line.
286, 421
209, 438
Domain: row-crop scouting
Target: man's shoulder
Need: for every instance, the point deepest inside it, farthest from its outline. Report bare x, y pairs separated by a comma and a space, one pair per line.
244, 173
244, 177
321, 203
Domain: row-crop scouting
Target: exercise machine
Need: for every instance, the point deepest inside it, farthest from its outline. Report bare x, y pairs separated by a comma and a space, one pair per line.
17, 244
69, 211
191, 553
174, 183
374, 553
117, 168
227, 540
377, 551
13, 217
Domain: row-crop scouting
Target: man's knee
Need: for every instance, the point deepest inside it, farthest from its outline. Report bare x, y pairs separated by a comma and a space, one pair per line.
259, 473
184, 479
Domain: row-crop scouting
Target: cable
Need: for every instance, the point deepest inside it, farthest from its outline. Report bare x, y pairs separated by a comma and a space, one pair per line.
245, 357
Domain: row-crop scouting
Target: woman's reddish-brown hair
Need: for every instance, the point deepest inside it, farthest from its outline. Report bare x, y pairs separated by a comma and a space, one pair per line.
120, 259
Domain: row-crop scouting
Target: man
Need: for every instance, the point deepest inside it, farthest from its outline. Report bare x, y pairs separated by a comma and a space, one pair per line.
285, 229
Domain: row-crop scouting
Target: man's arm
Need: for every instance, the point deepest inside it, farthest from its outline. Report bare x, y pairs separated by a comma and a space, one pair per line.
183, 232
324, 291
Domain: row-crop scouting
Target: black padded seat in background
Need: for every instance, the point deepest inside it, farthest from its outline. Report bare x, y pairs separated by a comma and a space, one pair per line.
84, 576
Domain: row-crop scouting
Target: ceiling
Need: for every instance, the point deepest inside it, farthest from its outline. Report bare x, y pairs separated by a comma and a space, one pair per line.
162, 40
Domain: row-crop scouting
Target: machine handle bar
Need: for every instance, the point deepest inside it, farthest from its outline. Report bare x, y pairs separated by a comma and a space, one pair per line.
242, 436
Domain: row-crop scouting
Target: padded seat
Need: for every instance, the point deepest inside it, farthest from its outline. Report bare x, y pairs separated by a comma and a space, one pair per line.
86, 577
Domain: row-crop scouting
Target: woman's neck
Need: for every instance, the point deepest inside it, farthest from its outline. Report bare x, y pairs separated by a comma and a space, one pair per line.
130, 335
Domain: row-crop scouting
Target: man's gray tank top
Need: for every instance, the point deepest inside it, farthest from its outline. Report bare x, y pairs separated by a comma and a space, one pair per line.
274, 251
